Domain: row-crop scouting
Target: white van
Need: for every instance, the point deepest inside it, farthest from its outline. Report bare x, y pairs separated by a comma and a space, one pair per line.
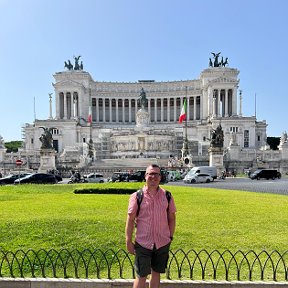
210, 170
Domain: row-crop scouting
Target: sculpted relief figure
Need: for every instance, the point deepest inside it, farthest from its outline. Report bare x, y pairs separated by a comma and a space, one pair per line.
233, 140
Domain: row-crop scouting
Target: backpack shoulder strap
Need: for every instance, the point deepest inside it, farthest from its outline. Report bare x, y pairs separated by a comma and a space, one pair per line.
139, 196
168, 196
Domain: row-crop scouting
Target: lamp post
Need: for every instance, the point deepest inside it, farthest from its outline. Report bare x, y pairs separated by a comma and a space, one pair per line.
90, 143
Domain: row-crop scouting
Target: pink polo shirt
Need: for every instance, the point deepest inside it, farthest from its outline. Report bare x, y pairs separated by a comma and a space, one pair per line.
152, 223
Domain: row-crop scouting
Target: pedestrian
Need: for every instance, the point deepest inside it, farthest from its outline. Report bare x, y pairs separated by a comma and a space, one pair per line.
154, 218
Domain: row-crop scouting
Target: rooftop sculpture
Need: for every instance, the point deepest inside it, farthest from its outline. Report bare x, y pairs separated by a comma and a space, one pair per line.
216, 62
77, 65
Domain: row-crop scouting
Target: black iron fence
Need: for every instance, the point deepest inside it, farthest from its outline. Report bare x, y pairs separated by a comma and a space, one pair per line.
110, 264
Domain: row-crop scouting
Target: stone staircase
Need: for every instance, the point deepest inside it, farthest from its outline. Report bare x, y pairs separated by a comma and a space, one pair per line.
127, 163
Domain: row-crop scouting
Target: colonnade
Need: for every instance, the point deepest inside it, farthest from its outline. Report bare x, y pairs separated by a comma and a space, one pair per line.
68, 105
123, 110
224, 103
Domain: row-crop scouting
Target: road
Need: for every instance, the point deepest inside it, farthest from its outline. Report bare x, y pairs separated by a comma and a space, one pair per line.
278, 186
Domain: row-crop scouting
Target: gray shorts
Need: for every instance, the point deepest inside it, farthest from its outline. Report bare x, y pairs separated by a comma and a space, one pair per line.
146, 259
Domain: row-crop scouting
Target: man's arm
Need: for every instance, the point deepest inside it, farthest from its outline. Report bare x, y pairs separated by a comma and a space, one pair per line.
129, 233
172, 223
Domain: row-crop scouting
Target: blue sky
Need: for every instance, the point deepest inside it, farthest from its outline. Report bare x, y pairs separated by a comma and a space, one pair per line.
128, 40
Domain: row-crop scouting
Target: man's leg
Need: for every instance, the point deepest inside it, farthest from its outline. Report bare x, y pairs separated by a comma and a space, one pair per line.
159, 264
154, 280
142, 265
139, 282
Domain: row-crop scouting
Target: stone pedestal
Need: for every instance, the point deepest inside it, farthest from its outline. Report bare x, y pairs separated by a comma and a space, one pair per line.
216, 158
283, 148
47, 160
187, 161
142, 118
234, 152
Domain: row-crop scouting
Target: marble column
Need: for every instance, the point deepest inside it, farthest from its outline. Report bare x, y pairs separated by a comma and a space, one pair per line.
110, 110
97, 109
161, 109
226, 103
117, 111
65, 106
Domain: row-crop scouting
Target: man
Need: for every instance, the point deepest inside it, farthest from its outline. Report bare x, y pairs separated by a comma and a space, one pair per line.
154, 232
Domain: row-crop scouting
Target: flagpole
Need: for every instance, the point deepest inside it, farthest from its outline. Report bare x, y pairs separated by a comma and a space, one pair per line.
255, 106
185, 148
90, 145
186, 137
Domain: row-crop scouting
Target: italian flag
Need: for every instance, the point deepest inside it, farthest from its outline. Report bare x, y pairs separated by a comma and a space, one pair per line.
90, 115
182, 116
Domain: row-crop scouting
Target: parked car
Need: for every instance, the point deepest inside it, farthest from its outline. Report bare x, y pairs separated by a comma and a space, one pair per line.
210, 170
171, 176
137, 176
37, 178
76, 179
279, 175
94, 178
198, 178
56, 173
266, 174
164, 178
11, 178
120, 177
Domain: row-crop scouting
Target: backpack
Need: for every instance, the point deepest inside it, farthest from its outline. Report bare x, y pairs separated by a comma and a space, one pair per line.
140, 195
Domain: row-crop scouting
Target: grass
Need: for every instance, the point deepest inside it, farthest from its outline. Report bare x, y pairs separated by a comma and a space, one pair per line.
52, 216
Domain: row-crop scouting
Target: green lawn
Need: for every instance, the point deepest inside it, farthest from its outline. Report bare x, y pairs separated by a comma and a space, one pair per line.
52, 216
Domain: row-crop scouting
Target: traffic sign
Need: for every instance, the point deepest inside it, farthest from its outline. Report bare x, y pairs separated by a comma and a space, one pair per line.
19, 162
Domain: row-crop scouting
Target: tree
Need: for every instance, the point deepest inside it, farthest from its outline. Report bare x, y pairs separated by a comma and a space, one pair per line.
13, 146
273, 142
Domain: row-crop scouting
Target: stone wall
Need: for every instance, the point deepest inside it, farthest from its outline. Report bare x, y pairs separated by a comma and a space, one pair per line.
104, 283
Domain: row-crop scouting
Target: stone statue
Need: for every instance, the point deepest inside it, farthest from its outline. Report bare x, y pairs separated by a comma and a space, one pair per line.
233, 140
46, 138
2, 142
217, 137
142, 100
283, 138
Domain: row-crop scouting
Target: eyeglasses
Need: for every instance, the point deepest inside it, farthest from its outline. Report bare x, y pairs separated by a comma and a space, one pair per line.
153, 174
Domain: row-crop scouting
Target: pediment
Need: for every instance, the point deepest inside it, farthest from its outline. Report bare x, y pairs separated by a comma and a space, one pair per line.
68, 83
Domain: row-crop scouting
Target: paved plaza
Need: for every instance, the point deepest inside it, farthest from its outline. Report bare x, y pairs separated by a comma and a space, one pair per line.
278, 186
